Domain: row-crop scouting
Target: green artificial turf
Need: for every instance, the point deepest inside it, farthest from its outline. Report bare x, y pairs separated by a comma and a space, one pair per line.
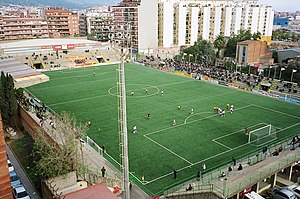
159, 147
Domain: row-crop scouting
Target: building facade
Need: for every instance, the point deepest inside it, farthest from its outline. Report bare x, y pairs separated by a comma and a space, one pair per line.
23, 28
136, 24
125, 25
280, 21
5, 185
251, 51
62, 22
82, 25
99, 23
182, 22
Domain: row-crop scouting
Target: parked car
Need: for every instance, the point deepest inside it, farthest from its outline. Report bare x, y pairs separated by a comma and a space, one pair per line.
20, 192
14, 179
281, 193
295, 189
10, 166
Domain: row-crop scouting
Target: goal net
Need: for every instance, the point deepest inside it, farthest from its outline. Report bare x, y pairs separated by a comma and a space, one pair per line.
262, 135
280, 95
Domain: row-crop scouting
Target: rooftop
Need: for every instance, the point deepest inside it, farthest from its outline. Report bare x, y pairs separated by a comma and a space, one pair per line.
99, 191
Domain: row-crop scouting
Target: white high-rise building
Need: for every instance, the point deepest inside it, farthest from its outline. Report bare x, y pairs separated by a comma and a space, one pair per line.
181, 22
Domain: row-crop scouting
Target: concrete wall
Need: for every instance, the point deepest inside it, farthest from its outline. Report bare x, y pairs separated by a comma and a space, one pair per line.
32, 127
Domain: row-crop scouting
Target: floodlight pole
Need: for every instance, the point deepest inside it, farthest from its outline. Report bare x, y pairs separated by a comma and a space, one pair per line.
125, 163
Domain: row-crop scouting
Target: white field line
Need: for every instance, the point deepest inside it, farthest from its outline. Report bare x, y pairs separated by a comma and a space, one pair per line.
160, 130
77, 100
288, 127
237, 131
277, 111
196, 114
222, 144
87, 75
76, 70
168, 150
99, 80
200, 161
109, 94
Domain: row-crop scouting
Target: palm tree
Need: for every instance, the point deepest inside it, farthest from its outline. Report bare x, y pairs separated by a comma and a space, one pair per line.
256, 36
219, 43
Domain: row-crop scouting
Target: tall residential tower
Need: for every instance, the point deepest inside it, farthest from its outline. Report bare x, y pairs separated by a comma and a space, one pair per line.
181, 22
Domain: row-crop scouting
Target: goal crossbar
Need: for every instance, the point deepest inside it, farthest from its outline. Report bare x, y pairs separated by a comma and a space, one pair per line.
255, 130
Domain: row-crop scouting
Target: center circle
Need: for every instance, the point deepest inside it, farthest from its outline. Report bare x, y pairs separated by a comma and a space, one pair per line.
136, 90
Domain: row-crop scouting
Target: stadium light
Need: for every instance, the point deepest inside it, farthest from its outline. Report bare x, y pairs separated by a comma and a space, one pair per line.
282, 69
293, 71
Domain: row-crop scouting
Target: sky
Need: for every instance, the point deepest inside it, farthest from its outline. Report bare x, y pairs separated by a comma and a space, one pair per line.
283, 5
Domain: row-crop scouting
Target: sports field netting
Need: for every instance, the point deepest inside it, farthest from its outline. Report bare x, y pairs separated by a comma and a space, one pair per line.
158, 147
262, 135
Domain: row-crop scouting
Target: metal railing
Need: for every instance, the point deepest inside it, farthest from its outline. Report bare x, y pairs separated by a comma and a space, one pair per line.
213, 174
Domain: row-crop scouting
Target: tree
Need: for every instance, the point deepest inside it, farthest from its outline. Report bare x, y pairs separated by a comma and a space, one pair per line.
203, 52
12, 101
230, 50
63, 157
220, 43
256, 36
8, 100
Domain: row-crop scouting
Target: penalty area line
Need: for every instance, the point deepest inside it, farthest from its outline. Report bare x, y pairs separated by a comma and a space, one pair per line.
222, 144
168, 150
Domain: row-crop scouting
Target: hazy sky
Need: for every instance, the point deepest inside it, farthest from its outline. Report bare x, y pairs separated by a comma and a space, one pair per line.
283, 5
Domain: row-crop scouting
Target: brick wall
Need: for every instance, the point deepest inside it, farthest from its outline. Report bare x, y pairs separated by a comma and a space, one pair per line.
32, 127
5, 186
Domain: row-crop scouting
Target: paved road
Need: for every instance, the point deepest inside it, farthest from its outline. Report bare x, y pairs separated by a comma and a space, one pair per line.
21, 173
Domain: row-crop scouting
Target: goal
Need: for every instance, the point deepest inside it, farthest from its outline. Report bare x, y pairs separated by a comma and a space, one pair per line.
262, 135
280, 95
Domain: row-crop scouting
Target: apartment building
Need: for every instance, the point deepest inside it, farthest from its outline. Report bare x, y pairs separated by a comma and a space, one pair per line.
181, 22
99, 22
82, 25
125, 29
5, 185
2, 36
135, 24
62, 22
23, 28
34, 12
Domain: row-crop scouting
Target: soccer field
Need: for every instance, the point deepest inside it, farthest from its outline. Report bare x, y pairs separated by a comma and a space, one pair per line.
158, 147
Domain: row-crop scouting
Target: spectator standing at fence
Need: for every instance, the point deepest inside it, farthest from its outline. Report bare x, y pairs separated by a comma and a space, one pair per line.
199, 175
103, 170
240, 167
234, 161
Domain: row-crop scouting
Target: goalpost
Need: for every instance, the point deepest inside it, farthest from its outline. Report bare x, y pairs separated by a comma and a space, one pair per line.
280, 95
262, 135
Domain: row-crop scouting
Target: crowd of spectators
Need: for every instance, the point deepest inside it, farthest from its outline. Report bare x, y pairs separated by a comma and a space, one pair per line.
198, 71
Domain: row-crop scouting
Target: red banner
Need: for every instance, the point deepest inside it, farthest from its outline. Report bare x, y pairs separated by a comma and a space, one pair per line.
70, 46
57, 47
